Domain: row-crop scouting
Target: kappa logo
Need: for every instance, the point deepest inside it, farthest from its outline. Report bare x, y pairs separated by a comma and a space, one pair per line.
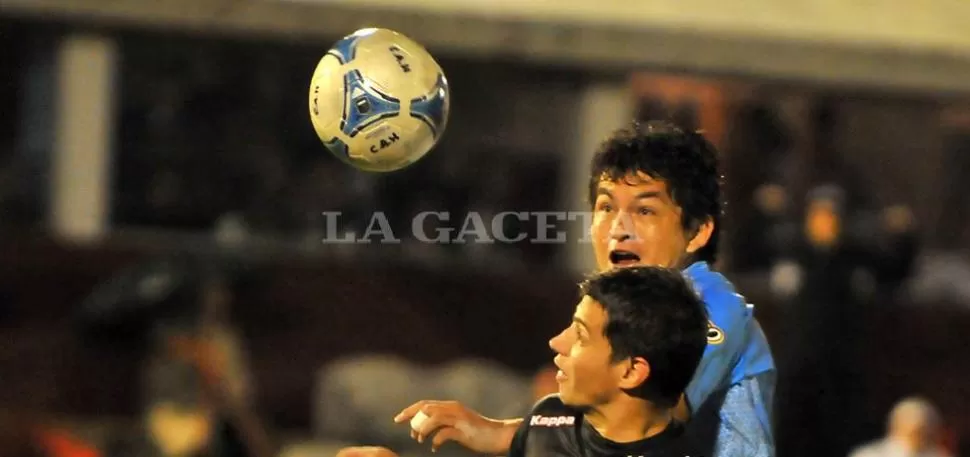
552, 421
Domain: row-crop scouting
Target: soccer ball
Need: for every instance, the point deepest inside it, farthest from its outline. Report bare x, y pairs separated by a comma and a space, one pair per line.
378, 100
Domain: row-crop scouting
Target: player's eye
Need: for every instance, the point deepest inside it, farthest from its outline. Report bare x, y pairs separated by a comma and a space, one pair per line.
579, 336
644, 211
605, 207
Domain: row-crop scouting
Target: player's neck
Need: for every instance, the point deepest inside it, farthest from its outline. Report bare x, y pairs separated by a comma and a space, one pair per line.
627, 420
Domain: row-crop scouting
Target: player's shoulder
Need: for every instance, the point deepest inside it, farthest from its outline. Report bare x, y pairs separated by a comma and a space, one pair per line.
550, 411
718, 293
551, 402
708, 281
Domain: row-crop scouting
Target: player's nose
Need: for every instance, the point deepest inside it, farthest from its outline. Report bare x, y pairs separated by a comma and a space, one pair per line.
558, 343
622, 227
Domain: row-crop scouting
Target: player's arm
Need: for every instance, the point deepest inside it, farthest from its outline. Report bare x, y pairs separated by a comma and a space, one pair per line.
366, 451
517, 443
726, 339
452, 421
745, 429
518, 429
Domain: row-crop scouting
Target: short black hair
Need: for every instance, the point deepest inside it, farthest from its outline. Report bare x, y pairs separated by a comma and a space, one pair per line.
654, 313
685, 160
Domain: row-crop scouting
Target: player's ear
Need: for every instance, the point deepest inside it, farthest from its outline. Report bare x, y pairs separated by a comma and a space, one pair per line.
701, 236
637, 372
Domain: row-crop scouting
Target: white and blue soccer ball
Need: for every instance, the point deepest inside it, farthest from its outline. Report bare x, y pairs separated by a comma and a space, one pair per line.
378, 100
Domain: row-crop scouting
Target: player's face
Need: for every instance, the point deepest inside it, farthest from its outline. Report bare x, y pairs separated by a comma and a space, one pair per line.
636, 222
587, 376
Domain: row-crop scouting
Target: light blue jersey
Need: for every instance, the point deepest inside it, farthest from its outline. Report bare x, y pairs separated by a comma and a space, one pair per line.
731, 394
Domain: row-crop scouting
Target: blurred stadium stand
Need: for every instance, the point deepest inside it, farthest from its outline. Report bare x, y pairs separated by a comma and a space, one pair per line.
919, 46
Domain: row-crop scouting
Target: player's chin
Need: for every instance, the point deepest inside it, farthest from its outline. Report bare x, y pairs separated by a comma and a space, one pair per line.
570, 399
568, 395
564, 392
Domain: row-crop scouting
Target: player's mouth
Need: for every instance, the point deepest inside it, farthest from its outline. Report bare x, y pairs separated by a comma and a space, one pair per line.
621, 258
560, 376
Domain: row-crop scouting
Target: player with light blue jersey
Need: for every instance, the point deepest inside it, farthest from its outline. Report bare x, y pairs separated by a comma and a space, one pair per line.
735, 380
655, 192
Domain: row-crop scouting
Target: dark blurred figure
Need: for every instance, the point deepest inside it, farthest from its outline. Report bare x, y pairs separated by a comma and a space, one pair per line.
766, 230
829, 271
757, 198
195, 382
954, 223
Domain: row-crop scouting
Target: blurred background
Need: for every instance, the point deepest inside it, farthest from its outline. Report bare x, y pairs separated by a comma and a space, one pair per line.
164, 290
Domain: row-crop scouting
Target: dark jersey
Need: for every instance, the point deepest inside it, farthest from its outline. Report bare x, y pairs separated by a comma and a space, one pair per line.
554, 429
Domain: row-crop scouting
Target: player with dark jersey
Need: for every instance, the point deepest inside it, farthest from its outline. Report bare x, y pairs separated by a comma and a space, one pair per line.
555, 429
634, 342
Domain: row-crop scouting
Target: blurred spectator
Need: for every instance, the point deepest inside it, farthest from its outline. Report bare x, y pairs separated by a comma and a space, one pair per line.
183, 416
830, 270
759, 159
954, 219
855, 256
942, 277
197, 388
762, 232
914, 431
